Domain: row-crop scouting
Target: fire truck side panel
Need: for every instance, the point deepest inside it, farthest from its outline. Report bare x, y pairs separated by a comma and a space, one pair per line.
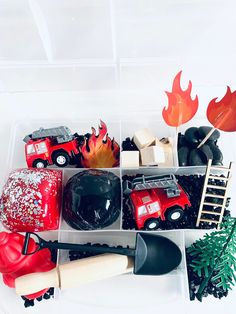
35, 154
50, 148
181, 200
159, 197
140, 198
68, 147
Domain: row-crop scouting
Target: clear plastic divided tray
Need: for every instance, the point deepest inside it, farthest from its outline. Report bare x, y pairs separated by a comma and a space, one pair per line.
139, 290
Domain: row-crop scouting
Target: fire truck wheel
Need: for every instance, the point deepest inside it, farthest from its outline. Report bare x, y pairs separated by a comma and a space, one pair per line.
39, 163
174, 214
61, 159
151, 224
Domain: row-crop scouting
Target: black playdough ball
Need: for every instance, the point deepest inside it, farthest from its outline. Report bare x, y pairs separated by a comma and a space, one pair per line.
92, 200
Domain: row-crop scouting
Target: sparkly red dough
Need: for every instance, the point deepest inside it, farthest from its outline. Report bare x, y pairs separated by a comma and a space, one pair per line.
31, 200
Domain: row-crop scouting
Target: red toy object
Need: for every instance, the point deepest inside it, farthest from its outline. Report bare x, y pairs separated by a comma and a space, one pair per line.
14, 264
31, 200
59, 146
221, 114
156, 198
181, 107
50, 146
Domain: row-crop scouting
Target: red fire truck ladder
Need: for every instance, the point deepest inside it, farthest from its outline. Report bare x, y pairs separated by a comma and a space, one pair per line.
206, 194
167, 182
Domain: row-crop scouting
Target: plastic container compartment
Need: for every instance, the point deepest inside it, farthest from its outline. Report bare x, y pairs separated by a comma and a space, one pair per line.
224, 142
67, 174
139, 290
17, 154
157, 126
134, 291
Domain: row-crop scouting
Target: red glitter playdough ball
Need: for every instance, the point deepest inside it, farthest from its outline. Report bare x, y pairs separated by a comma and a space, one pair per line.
31, 200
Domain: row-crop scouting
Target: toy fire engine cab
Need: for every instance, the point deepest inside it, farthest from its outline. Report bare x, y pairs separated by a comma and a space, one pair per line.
156, 198
51, 146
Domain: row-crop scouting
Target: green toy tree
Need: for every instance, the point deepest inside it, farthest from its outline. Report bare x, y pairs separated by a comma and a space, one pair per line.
214, 257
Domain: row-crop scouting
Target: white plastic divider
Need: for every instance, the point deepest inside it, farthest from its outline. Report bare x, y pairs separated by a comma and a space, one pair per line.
121, 181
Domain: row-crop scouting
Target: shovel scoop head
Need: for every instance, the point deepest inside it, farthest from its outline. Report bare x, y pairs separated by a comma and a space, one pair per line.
155, 255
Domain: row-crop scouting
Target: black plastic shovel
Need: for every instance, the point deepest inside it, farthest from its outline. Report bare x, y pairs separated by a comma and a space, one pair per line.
153, 254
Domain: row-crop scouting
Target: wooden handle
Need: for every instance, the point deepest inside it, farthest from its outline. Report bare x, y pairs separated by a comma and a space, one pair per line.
35, 282
75, 273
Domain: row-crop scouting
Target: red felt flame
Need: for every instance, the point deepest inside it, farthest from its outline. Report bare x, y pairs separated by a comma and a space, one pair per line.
222, 114
181, 107
100, 151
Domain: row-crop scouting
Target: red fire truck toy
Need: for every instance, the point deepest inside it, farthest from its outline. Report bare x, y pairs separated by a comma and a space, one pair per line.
156, 198
51, 146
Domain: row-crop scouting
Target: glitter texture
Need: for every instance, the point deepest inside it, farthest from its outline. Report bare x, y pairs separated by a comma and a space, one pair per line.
31, 200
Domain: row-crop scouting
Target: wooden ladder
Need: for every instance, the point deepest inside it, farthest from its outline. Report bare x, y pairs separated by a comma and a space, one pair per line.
206, 194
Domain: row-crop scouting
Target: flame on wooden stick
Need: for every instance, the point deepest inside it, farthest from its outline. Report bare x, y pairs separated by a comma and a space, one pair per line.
181, 107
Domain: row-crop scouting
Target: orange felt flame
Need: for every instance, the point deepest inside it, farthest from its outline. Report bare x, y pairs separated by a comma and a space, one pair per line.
222, 114
100, 151
181, 107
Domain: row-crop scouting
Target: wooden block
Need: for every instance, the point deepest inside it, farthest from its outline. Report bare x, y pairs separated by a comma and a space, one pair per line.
143, 138
162, 157
152, 155
165, 141
169, 158
130, 159
157, 142
168, 150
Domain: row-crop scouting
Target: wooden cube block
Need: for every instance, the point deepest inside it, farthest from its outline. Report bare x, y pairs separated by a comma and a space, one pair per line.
157, 141
143, 138
130, 159
169, 159
152, 155
168, 152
